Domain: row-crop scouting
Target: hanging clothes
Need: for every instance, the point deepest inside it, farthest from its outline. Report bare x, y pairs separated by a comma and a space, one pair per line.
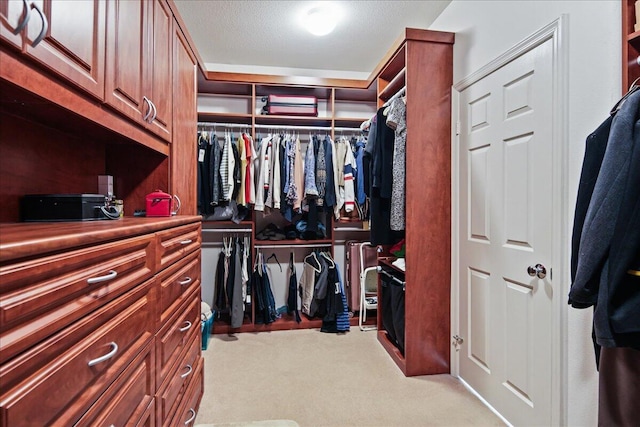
262, 173
204, 183
265, 303
397, 120
310, 268
220, 292
292, 296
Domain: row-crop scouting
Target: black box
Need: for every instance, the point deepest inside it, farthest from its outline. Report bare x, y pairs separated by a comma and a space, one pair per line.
62, 207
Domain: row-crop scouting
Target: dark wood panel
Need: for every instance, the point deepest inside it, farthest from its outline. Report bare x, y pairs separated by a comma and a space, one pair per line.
36, 159
136, 172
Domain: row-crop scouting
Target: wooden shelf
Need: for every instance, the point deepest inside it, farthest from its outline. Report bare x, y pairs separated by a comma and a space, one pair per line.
297, 242
293, 121
225, 118
394, 85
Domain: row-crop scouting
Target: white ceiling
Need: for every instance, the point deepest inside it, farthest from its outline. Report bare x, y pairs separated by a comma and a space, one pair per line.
265, 37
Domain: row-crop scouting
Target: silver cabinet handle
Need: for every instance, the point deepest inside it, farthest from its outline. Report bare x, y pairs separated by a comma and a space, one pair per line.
186, 242
193, 417
45, 25
186, 281
114, 350
186, 327
146, 116
186, 374
155, 112
112, 275
27, 14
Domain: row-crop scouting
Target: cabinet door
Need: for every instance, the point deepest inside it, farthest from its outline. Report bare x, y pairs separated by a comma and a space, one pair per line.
161, 71
12, 14
183, 148
73, 40
126, 58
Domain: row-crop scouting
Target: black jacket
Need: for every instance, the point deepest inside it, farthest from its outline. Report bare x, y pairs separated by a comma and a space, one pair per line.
606, 234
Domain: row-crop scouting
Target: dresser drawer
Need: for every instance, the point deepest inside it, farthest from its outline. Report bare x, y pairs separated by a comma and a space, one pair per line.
186, 415
177, 282
176, 242
175, 334
60, 378
129, 401
171, 393
41, 296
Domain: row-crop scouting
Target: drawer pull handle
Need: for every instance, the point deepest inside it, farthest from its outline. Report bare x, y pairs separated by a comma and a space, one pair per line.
114, 350
186, 374
186, 327
112, 275
186, 242
191, 418
186, 281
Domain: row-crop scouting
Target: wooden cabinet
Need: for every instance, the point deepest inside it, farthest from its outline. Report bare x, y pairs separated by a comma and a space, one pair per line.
183, 149
66, 37
423, 63
138, 58
81, 346
630, 44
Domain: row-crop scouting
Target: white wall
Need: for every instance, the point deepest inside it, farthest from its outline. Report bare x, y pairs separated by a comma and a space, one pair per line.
484, 30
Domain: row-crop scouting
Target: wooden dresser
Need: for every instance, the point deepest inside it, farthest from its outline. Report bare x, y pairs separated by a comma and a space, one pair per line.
100, 323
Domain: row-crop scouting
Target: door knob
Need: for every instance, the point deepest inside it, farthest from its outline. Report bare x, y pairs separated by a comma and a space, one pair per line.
539, 270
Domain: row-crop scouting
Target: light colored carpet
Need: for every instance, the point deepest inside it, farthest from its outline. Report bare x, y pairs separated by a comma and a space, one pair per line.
266, 423
327, 380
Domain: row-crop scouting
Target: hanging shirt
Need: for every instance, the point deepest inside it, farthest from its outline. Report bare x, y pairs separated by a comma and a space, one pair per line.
310, 188
261, 184
298, 177
397, 120
242, 154
349, 191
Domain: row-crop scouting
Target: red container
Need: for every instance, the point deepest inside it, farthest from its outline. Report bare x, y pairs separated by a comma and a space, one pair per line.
159, 204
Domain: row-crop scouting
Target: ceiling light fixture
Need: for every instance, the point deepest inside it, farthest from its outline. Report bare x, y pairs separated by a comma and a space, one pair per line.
320, 20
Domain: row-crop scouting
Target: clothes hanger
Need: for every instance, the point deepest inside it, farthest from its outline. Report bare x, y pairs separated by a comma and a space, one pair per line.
273, 255
328, 258
316, 267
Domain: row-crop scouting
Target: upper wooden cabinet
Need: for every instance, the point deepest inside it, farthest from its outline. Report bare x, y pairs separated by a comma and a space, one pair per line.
138, 74
184, 179
65, 36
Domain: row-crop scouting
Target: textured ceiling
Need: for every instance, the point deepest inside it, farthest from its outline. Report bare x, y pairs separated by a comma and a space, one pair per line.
246, 36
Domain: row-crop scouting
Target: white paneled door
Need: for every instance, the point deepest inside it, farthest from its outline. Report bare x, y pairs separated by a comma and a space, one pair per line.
505, 237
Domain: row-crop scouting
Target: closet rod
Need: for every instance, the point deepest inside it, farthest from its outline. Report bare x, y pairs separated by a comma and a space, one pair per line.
391, 276
211, 244
293, 246
224, 125
357, 129
226, 230
399, 93
293, 127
